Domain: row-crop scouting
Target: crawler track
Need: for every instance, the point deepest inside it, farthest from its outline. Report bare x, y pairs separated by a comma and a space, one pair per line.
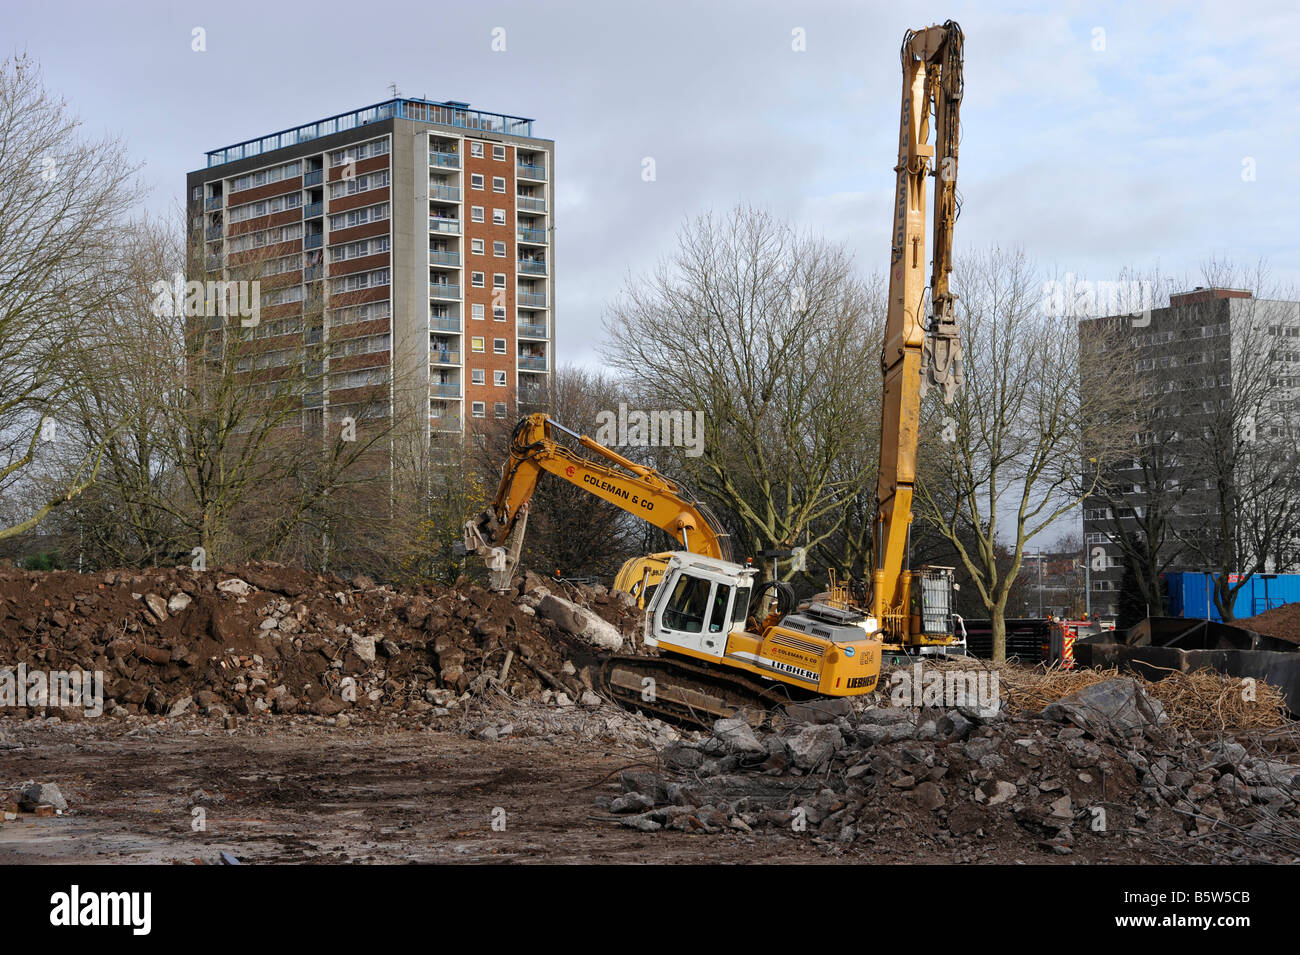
688, 693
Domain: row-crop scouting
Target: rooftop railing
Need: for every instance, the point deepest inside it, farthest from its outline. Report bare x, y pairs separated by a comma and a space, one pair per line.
454, 114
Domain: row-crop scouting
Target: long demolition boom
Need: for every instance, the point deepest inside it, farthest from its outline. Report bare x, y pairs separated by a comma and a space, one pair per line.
916, 354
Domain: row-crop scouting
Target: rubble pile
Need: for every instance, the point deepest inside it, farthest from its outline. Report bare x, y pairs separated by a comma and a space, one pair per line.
269, 639
1102, 767
1281, 622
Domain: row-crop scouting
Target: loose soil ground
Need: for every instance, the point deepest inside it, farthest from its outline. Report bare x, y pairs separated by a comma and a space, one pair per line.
228, 692
314, 793
322, 795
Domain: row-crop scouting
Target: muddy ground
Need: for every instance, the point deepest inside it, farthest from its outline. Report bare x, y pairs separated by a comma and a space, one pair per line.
319, 794
277, 716
308, 792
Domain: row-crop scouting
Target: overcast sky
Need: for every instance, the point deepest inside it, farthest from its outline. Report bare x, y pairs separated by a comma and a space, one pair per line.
1095, 135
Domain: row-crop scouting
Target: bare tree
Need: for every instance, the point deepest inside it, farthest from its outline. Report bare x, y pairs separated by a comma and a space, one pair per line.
770, 335
257, 460
206, 416
1029, 412
62, 198
126, 381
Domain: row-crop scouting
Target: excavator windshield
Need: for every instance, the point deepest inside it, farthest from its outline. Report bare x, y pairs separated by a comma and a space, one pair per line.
686, 607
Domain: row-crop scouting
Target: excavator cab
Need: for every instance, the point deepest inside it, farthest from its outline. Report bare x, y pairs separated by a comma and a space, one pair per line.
701, 608
697, 605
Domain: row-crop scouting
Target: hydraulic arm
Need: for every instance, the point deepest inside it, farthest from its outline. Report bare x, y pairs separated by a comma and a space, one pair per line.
920, 350
498, 532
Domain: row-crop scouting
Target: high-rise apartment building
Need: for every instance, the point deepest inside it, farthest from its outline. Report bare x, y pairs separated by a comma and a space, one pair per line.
410, 240
1218, 369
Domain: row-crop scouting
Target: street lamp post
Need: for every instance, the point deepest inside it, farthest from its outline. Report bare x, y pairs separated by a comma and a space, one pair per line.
1040, 585
1087, 584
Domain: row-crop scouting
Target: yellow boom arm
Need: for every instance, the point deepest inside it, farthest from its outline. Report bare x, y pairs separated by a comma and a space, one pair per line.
635, 488
916, 354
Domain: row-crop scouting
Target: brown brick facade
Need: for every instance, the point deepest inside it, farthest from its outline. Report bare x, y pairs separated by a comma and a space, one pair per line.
488, 328
410, 305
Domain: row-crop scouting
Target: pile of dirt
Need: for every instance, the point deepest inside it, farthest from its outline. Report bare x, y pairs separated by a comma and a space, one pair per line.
269, 639
1281, 622
1097, 771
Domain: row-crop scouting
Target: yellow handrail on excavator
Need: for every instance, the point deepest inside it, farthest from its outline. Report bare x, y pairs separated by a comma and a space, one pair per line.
640, 490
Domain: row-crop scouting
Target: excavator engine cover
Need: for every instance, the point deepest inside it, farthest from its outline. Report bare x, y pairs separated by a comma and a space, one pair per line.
816, 626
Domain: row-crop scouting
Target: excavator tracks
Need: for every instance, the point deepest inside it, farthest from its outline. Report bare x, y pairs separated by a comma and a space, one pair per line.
687, 693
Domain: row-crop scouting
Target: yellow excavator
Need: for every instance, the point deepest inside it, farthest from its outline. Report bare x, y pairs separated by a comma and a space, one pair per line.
720, 646
697, 600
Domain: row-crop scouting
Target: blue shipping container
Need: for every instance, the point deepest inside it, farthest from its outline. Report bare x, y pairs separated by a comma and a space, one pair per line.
1187, 593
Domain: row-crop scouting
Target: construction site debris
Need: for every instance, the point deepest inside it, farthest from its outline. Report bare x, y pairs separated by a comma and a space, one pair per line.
1117, 706
276, 640
577, 622
34, 794
1202, 700
1107, 771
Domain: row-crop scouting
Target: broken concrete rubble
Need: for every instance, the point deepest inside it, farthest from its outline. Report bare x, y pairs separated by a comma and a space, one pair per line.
813, 745
1123, 775
1116, 706
737, 735
577, 622
271, 639
34, 794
